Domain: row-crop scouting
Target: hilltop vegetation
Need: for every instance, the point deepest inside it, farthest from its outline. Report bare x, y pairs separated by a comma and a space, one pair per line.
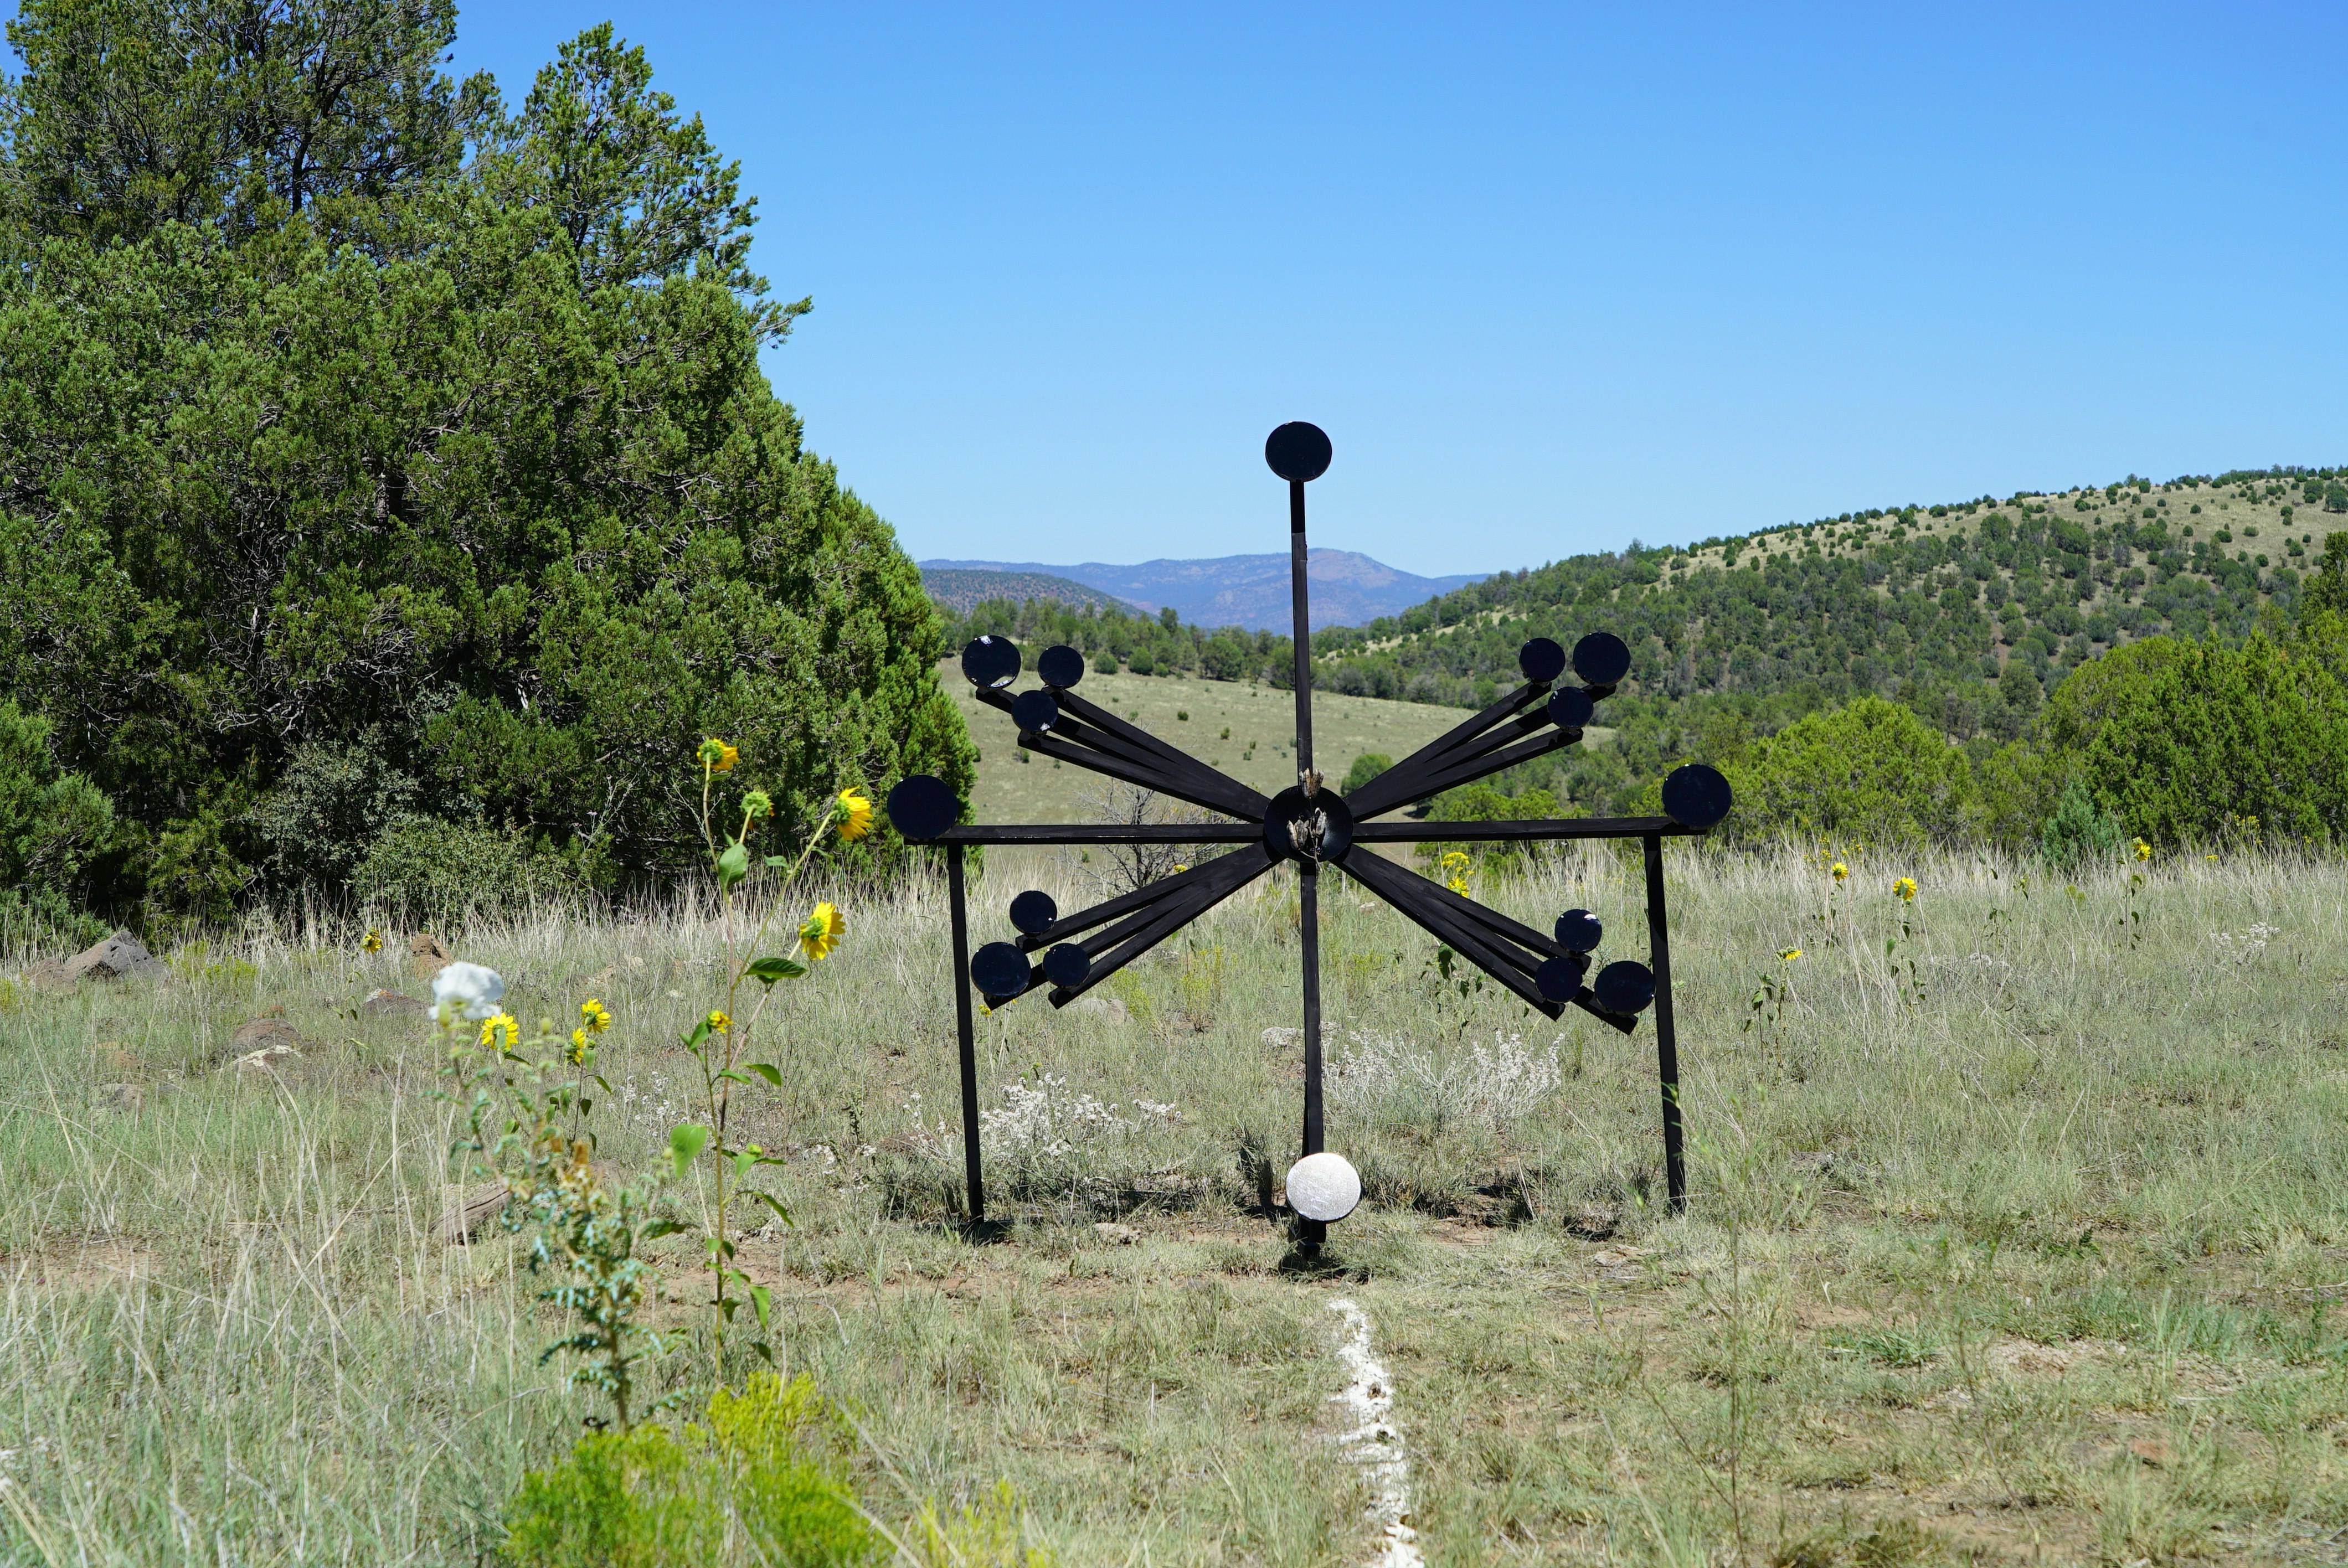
1966, 625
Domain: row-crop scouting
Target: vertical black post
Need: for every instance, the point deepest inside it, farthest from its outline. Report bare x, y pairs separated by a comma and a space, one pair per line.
1314, 1231
1667, 1039
965, 1034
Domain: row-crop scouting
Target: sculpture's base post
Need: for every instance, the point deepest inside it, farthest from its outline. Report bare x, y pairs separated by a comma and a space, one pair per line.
965, 1034
1311, 1233
1667, 1039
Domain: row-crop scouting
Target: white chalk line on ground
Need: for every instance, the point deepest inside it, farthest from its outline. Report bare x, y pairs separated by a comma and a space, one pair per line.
1374, 1443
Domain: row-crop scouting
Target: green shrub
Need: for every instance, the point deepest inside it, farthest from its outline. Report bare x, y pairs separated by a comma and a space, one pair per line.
764, 1480
2199, 742
440, 872
1872, 772
1367, 766
2078, 833
52, 824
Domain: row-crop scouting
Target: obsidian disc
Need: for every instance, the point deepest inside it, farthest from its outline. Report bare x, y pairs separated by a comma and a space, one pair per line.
1624, 986
1297, 451
991, 660
1000, 971
1569, 707
1034, 712
1060, 666
1288, 805
1032, 912
922, 807
1696, 796
1541, 660
1559, 979
1579, 931
1068, 965
1601, 659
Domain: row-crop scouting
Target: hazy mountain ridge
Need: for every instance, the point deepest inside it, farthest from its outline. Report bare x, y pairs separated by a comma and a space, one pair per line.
1250, 591
959, 587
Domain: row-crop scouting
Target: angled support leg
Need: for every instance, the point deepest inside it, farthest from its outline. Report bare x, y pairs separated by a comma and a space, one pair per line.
966, 1035
1667, 1039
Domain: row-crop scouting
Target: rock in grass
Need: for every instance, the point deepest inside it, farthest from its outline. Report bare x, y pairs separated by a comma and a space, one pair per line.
121, 957
427, 955
468, 1212
380, 1001
1101, 1006
1117, 1234
262, 1042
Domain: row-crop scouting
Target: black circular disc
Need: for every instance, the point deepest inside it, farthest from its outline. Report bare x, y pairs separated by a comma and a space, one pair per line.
1541, 660
991, 660
1601, 659
1060, 666
1624, 986
1288, 806
1034, 712
1696, 796
1559, 979
922, 807
1297, 451
1032, 912
999, 970
1569, 707
1579, 931
1067, 965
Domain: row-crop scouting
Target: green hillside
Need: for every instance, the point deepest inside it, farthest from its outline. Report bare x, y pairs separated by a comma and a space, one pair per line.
1968, 613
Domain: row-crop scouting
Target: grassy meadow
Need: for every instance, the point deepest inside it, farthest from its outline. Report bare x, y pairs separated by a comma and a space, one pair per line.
2022, 1244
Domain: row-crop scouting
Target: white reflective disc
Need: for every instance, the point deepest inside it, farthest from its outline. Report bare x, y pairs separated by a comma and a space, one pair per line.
1323, 1186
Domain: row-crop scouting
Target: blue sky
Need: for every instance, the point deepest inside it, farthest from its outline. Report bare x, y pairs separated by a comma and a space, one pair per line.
1551, 277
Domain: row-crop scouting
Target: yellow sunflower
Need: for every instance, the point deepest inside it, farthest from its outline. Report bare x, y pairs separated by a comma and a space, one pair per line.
372, 942
718, 1022
595, 1016
854, 815
500, 1031
822, 930
718, 756
1906, 889
1841, 872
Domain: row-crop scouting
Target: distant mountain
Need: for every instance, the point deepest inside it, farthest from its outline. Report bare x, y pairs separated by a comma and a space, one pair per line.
1252, 591
959, 588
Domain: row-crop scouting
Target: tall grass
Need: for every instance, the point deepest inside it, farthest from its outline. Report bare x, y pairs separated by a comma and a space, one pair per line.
229, 1332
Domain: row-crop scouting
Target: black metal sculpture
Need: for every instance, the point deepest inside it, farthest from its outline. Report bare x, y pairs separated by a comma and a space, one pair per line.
1314, 826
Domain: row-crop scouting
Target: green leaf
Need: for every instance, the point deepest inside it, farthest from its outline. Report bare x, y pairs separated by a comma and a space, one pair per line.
700, 1032
778, 862
775, 1203
742, 1161
767, 1070
730, 1076
734, 864
685, 1144
770, 971
656, 1229
764, 1300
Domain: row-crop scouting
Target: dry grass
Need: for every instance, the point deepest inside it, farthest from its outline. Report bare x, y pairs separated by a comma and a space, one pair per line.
2042, 1267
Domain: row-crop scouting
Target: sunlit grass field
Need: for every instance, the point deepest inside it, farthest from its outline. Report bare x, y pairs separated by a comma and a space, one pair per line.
2023, 1242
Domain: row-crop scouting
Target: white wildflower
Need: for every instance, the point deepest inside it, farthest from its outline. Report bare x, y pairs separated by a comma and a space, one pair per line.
475, 988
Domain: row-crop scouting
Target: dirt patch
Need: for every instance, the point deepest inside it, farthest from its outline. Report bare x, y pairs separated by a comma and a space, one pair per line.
86, 1267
